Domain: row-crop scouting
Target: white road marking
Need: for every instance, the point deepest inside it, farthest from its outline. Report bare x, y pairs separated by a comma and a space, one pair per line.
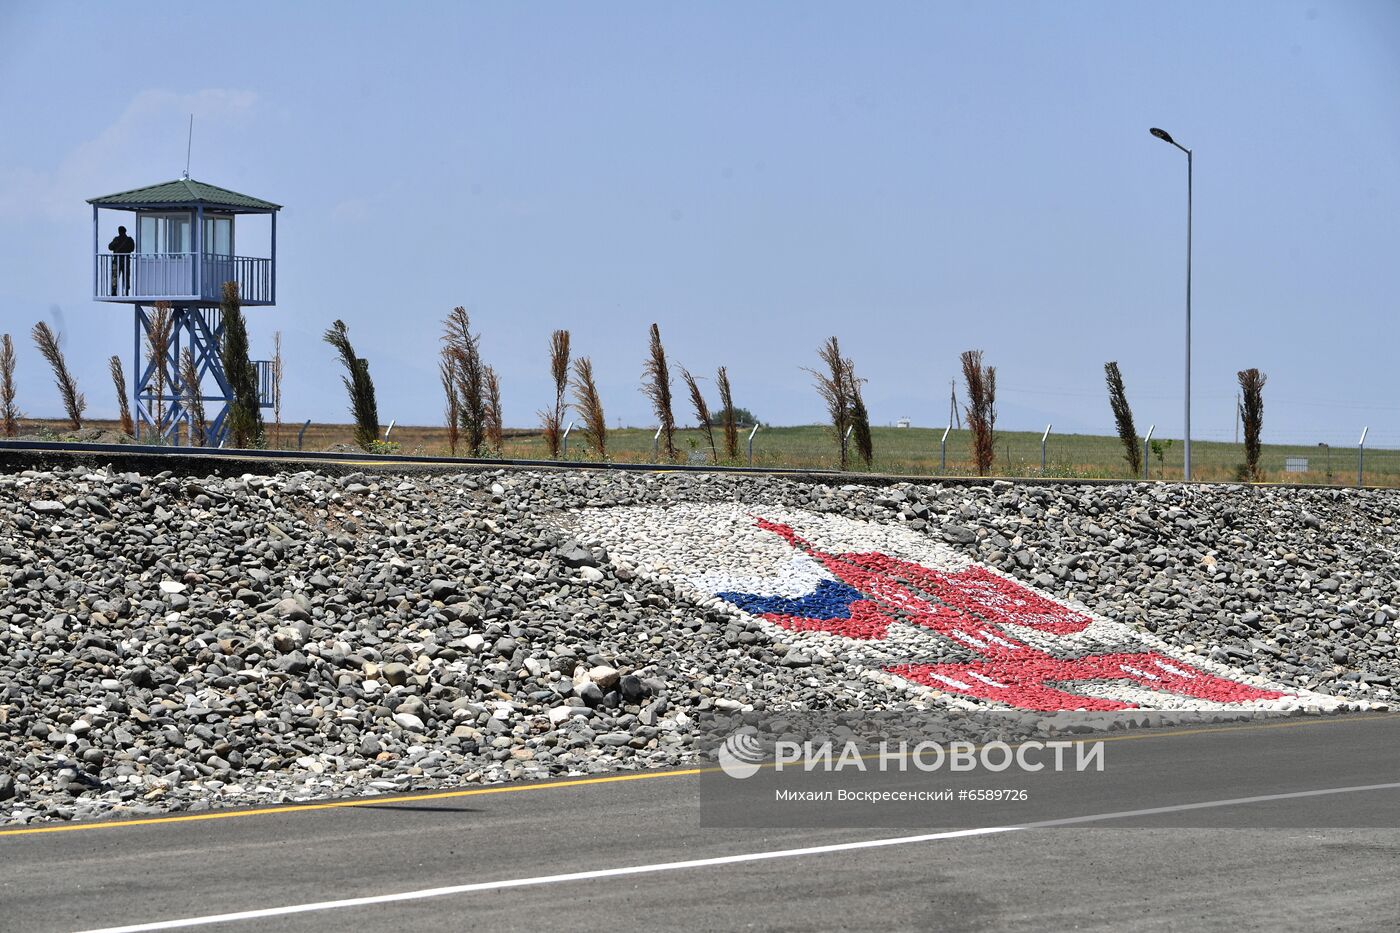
266, 912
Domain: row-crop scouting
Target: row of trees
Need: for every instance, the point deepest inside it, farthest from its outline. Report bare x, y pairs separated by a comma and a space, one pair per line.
1251, 414
840, 388
473, 394
575, 377
74, 402
244, 418
656, 384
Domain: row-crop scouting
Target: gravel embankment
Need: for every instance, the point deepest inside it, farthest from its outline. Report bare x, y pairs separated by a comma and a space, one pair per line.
177, 643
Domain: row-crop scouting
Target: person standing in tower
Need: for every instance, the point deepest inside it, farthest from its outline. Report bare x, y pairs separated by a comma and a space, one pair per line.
122, 246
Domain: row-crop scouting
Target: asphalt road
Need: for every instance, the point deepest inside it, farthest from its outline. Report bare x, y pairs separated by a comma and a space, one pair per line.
506, 854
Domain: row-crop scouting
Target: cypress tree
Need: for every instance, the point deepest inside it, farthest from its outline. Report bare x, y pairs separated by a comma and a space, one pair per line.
244, 419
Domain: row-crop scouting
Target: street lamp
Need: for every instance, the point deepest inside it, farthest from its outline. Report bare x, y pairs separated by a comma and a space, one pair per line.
1167, 137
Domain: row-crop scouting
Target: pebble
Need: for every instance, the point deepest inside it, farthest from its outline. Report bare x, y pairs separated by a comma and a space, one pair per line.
271, 631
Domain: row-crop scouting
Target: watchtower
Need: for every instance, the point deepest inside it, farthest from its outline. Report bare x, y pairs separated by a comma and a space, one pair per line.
182, 251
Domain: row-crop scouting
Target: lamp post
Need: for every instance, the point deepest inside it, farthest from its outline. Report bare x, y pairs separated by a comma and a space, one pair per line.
1167, 137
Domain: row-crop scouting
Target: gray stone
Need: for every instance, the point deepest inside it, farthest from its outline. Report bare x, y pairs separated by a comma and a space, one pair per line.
574, 554
291, 609
959, 534
398, 605
631, 688
442, 589
395, 674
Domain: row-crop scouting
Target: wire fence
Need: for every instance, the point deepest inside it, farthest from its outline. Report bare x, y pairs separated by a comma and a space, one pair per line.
919, 451
1326, 459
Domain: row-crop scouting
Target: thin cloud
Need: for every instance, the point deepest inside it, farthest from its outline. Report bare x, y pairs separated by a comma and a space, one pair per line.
120, 151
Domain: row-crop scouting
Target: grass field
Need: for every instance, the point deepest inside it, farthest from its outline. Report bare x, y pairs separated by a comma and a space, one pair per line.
912, 451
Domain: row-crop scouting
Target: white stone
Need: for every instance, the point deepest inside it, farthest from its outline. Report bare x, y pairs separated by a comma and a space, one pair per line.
410, 722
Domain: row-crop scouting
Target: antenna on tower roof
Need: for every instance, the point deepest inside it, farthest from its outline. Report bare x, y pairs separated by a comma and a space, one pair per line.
189, 144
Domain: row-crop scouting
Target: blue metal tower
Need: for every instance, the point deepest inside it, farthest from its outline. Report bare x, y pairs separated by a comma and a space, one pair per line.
179, 249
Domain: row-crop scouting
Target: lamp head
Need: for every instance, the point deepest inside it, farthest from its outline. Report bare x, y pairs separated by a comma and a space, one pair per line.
1162, 135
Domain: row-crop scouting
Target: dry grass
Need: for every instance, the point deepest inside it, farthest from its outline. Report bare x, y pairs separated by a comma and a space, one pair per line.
493, 411
833, 385
114, 366
73, 401
447, 374
860, 419
702, 412
590, 406
981, 409
465, 348
1252, 414
553, 419
9, 411
276, 387
726, 400
162, 322
192, 397
657, 388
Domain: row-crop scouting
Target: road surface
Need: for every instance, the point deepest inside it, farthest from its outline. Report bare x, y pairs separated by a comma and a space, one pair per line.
627, 851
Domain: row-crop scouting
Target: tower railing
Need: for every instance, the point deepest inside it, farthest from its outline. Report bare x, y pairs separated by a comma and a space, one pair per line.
265, 388
254, 277
172, 277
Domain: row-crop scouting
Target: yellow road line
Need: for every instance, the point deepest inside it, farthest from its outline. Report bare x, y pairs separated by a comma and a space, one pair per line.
586, 782
356, 802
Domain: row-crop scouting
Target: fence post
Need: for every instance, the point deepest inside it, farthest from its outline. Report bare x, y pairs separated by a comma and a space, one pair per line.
388, 429
1043, 438
302, 432
751, 434
656, 446
1361, 457
1147, 454
943, 450
565, 448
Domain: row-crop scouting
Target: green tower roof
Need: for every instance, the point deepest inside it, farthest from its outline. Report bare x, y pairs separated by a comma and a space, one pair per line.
183, 191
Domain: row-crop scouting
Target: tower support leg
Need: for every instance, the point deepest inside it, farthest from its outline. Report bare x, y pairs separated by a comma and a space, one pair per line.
159, 407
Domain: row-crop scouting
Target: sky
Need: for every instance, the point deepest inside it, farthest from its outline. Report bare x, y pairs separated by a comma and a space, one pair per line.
917, 179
